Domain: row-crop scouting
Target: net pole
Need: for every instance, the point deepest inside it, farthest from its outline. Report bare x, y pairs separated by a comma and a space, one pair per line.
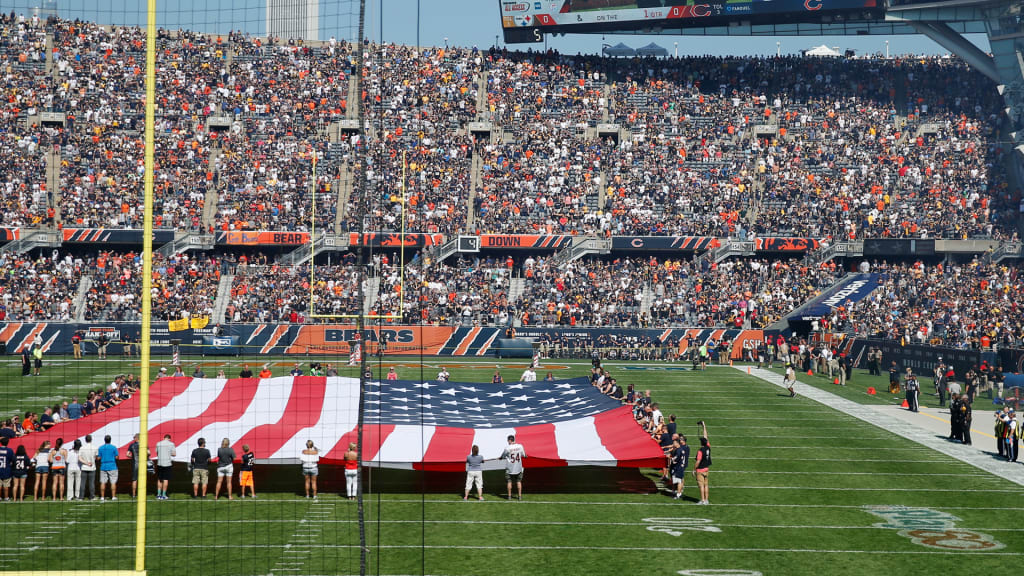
361, 320
147, 285
401, 282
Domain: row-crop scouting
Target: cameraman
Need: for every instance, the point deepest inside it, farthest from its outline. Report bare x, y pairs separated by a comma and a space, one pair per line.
702, 465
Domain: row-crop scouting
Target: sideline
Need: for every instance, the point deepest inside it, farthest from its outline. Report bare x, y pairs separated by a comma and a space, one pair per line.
906, 424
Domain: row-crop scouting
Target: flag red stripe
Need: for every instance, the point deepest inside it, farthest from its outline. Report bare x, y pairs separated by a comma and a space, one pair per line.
448, 449
541, 446
159, 397
232, 402
625, 440
303, 410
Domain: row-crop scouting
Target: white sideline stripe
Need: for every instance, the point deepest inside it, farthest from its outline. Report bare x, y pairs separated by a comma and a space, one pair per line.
848, 460
907, 449
848, 473
558, 548
921, 437
830, 488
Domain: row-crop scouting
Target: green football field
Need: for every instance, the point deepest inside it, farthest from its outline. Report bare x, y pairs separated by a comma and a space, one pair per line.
796, 488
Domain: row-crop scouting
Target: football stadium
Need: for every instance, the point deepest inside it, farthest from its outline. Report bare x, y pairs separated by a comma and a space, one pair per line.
281, 296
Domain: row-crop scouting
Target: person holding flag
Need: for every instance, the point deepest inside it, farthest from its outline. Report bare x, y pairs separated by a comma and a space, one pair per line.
513, 455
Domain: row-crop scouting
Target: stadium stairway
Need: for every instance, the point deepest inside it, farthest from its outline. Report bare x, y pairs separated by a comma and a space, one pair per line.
371, 287
344, 187
78, 304
210, 202
475, 183
646, 301
516, 285
53, 159
220, 305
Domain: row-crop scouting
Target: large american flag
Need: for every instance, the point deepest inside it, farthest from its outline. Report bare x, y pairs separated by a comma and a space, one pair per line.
428, 425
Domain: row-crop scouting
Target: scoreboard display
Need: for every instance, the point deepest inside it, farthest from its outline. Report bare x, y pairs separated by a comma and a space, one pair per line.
529, 20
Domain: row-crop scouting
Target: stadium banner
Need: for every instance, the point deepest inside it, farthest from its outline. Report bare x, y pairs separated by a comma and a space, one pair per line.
392, 240
785, 244
10, 234
548, 241
262, 238
921, 358
220, 345
666, 243
114, 235
324, 339
852, 288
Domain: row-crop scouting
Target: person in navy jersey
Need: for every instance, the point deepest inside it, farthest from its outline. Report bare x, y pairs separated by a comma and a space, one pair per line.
20, 474
497, 379
6, 468
679, 458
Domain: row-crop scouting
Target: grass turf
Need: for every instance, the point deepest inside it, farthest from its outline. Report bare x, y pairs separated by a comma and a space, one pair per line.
789, 486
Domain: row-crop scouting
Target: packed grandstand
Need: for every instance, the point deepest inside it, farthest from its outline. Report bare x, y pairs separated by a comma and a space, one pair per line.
829, 150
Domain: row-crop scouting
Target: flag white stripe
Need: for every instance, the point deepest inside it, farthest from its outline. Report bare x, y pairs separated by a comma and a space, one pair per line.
405, 444
492, 442
191, 403
339, 416
578, 440
267, 407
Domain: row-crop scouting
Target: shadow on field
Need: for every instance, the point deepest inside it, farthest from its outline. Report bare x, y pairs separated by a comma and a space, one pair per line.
569, 480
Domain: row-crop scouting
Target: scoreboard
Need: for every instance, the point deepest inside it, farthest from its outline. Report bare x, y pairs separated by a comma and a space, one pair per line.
529, 20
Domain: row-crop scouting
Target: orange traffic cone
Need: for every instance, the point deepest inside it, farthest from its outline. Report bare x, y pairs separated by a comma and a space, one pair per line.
810, 372
871, 390
836, 381
904, 405
748, 369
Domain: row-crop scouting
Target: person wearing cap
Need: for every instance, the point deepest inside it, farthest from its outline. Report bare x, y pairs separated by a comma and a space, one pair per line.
1000, 432
1012, 434
955, 425
162, 373
911, 388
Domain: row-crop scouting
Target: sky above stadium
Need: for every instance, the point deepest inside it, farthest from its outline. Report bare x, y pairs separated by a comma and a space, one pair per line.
460, 22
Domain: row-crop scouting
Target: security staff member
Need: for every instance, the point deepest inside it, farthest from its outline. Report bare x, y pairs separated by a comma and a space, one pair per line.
954, 417
940, 383
913, 390
965, 420
1000, 432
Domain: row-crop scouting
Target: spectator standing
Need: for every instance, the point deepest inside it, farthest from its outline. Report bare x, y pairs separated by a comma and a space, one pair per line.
108, 468
165, 453
41, 460
101, 346
703, 465
679, 460
133, 455
200, 463
245, 479
475, 473
789, 380
76, 344
513, 455
37, 359
26, 361
529, 375
74, 480
6, 468
22, 463
352, 471
58, 468
225, 468
87, 458
392, 375
246, 372
310, 457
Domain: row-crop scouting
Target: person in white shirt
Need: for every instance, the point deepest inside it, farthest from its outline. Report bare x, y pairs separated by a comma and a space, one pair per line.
528, 375
443, 375
789, 380
74, 471
87, 458
310, 457
165, 452
513, 455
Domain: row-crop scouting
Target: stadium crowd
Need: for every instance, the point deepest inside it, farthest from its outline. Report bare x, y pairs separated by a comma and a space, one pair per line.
964, 305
